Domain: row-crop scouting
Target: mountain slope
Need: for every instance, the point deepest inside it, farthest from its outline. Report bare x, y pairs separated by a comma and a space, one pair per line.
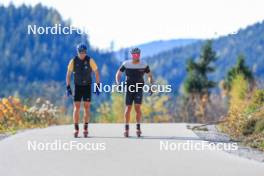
155, 47
248, 41
28, 60
152, 48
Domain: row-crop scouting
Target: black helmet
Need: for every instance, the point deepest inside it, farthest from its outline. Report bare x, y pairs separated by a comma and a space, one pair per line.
135, 51
81, 47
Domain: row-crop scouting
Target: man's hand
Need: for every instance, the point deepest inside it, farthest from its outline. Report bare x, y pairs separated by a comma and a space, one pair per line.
150, 91
119, 88
97, 88
68, 91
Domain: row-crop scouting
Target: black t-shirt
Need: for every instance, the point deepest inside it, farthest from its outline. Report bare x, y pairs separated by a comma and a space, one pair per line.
134, 72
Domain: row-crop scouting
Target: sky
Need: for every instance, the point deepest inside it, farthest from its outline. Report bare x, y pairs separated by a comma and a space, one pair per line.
131, 22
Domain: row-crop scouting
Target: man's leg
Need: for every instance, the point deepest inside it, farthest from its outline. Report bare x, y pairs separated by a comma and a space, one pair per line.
127, 119
138, 112
129, 102
76, 117
138, 118
76, 108
86, 117
137, 106
127, 113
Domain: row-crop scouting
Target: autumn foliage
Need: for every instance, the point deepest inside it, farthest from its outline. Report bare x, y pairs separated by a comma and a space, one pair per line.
16, 115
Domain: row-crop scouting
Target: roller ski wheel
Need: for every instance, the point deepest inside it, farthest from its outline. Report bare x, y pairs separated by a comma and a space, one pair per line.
139, 133
85, 133
76, 133
126, 134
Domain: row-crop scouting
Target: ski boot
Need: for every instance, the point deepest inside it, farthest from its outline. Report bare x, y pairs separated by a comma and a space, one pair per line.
138, 130
85, 133
76, 130
126, 133
85, 130
75, 134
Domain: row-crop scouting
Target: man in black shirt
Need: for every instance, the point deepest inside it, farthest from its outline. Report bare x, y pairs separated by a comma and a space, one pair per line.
134, 70
82, 67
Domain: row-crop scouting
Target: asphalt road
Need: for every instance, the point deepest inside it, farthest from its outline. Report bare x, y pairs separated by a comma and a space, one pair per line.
107, 153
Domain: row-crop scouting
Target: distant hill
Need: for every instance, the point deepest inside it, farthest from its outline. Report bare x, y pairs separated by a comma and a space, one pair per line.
249, 41
27, 61
155, 47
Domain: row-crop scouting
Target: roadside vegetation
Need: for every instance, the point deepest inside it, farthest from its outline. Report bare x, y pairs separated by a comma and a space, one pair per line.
17, 115
237, 100
245, 118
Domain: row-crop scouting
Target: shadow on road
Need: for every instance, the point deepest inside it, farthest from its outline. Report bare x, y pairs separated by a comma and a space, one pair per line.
149, 137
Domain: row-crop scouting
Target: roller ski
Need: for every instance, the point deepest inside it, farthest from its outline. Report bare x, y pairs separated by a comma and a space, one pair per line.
76, 130
126, 133
75, 134
138, 132
85, 130
85, 133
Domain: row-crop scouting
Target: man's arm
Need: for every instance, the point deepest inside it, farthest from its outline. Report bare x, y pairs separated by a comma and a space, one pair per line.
119, 73
95, 70
69, 72
150, 78
97, 76
68, 78
118, 76
149, 75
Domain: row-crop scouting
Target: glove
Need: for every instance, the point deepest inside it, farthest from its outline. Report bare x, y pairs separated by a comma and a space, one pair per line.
97, 89
119, 88
150, 92
68, 91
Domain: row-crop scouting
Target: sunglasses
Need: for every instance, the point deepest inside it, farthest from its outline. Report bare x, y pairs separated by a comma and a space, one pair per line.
83, 52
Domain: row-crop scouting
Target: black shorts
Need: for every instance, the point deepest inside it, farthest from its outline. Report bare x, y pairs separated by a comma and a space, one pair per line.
135, 97
82, 93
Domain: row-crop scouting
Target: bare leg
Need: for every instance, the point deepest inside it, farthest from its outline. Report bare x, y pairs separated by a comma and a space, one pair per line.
76, 116
138, 118
86, 115
86, 118
76, 112
138, 112
127, 113
127, 119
